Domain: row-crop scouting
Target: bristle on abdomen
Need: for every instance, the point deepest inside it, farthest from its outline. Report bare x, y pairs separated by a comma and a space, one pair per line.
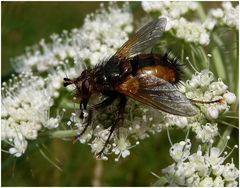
171, 61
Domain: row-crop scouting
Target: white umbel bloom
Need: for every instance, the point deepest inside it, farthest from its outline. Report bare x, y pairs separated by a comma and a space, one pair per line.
199, 169
26, 103
228, 15
189, 31
202, 87
168, 8
99, 37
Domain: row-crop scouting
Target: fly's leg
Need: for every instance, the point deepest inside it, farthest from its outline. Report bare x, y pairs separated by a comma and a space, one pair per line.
103, 104
121, 108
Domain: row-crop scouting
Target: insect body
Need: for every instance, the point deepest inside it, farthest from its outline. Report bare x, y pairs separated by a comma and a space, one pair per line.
147, 78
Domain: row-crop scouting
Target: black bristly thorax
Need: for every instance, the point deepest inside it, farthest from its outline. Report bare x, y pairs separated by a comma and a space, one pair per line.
110, 73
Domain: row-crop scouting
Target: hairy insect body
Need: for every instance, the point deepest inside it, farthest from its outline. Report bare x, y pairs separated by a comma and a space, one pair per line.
147, 78
110, 74
157, 65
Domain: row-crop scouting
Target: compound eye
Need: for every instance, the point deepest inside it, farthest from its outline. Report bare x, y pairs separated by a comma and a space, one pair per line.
85, 87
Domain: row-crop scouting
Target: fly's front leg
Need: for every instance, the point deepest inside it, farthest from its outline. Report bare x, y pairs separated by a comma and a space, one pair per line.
103, 104
121, 108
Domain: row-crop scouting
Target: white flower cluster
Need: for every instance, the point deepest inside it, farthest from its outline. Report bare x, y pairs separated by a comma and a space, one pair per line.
193, 31
26, 102
25, 105
203, 88
101, 34
99, 37
229, 15
189, 31
138, 123
169, 8
200, 169
105, 32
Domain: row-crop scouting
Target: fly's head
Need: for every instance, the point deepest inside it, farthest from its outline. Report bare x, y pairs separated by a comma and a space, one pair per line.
84, 87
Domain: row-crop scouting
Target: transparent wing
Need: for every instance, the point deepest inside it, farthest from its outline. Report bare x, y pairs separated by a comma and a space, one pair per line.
144, 38
157, 93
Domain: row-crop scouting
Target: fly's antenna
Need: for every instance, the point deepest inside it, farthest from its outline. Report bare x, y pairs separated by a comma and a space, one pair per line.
67, 81
208, 102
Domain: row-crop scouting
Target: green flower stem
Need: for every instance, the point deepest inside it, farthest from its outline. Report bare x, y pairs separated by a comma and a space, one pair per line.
205, 62
223, 140
201, 12
49, 159
235, 63
219, 64
64, 133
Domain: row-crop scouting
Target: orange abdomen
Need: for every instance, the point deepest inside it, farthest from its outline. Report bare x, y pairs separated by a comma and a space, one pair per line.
159, 71
160, 66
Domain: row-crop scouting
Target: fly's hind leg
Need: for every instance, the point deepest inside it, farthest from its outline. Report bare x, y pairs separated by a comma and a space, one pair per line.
103, 104
121, 108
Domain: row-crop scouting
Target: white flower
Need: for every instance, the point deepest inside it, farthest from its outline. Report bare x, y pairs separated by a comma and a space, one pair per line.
100, 36
218, 170
193, 181
20, 146
179, 121
229, 15
230, 172
212, 112
26, 102
52, 123
230, 97
173, 174
210, 23
121, 144
204, 39
167, 8
97, 145
218, 182
214, 158
217, 13
180, 151
198, 162
188, 169
202, 169
206, 182
227, 5
173, 11
206, 133
218, 88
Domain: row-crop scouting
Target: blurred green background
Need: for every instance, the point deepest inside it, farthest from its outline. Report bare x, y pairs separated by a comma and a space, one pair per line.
24, 24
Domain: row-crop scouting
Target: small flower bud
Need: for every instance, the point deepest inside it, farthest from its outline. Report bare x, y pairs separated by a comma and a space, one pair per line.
230, 97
